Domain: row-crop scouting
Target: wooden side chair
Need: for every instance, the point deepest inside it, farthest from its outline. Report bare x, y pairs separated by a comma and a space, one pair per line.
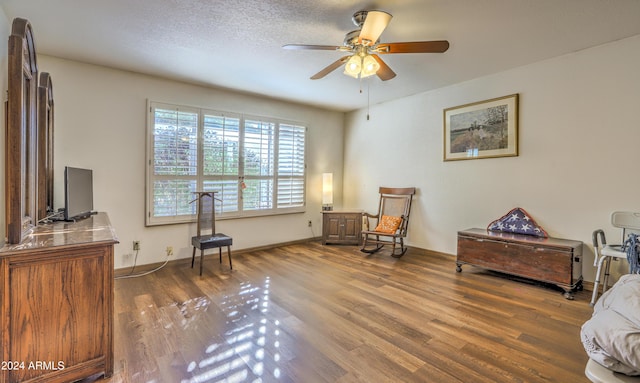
389, 223
206, 236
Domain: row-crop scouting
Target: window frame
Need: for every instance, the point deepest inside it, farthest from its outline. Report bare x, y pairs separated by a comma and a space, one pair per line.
200, 178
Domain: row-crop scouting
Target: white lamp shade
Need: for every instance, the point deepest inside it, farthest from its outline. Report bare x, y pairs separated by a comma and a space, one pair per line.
369, 66
327, 188
353, 66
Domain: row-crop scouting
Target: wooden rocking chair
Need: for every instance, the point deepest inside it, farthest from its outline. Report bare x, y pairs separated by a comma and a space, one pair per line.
390, 221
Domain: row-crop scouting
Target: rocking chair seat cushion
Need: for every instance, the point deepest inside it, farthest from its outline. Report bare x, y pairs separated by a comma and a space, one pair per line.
211, 241
388, 224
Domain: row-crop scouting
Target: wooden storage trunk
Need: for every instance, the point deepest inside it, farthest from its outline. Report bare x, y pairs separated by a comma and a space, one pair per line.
551, 260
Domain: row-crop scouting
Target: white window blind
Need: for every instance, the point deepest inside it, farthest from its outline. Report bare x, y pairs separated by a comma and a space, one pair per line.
256, 164
259, 157
174, 163
221, 148
291, 166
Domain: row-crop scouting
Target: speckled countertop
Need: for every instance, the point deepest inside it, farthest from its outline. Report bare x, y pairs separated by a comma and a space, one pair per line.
94, 229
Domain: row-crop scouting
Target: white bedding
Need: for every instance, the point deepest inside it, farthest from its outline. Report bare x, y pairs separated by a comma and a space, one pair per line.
612, 336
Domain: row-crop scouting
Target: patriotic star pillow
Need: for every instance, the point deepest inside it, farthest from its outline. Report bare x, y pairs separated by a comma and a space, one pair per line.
519, 222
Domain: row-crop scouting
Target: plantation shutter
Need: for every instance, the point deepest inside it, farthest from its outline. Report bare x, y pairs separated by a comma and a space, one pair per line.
221, 151
291, 166
175, 162
259, 160
256, 164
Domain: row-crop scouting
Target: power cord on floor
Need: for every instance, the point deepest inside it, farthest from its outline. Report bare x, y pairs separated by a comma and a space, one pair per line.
135, 260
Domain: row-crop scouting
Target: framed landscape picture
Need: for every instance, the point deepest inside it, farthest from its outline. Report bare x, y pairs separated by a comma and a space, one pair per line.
482, 129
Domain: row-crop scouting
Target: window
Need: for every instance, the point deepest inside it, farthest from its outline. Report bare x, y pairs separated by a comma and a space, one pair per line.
256, 164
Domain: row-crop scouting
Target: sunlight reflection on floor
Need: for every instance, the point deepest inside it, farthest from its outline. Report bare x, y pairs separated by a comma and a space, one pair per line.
249, 352
189, 309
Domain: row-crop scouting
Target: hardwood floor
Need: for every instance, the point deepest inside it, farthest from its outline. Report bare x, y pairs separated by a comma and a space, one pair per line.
313, 313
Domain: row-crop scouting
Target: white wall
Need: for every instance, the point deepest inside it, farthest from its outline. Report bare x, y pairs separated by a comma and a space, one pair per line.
578, 150
579, 137
100, 123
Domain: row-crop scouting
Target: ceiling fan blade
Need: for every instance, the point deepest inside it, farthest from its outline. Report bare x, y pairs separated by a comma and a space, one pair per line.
333, 66
309, 47
438, 46
384, 73
373, 26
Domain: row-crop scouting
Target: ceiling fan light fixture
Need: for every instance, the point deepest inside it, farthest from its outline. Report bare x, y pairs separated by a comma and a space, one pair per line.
353, 66
369, 66
363, 48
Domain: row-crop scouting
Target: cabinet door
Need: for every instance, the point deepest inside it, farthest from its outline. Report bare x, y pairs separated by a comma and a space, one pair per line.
331, 227
59, 313
352, 227
341, 228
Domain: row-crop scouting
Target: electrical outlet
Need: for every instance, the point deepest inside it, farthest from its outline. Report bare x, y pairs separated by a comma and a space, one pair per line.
309, 223
169, 251
136, 245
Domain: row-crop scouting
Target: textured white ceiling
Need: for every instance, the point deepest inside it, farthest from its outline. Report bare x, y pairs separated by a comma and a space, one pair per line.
236, 44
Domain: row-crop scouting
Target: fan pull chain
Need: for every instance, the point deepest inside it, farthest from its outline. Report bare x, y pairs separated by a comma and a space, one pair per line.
368, 94
368, 98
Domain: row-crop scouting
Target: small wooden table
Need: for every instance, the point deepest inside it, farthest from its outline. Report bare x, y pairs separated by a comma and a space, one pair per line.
551, 260
343, 227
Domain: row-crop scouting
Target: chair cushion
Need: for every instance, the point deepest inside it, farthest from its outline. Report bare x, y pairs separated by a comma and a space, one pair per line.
211, 241
388, 224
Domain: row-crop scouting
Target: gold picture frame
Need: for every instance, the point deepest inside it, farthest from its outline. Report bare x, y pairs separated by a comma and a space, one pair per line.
484, 129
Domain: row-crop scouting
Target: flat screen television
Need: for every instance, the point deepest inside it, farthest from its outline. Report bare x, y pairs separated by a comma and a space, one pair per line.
78, 193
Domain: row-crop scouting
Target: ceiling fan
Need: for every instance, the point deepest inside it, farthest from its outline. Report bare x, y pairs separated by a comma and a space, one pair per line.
364, 47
